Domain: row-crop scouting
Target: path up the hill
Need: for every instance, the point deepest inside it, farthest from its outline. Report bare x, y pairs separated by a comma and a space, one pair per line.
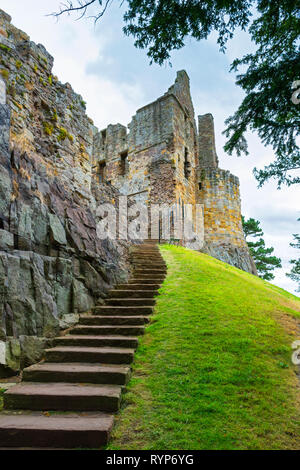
69, 400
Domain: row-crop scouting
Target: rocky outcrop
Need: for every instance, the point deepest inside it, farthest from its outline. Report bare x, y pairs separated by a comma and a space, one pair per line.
52, 264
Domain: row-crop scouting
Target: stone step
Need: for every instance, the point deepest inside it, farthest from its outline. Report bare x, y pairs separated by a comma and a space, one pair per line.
135, 293
145, 250
38, 396
150, 276
77, 373
63, 431
137, 287
130, 302
146, 265
148, 259
112, 310
97, 341
146, 280
151, 255
114, 320
107, 355
108, 330
162, 272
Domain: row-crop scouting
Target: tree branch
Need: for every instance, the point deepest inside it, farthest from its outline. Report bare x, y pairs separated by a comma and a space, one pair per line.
69, 7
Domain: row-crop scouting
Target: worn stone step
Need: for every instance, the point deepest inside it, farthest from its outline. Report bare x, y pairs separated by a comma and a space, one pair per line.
138, 287
77, 373
63, 397
112, 310
135, 293
105, 355
92, 330
97, 341
150, 255
63, 431
130, 302
114, 320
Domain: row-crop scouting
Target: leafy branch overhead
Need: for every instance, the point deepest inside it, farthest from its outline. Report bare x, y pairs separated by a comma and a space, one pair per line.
161, 26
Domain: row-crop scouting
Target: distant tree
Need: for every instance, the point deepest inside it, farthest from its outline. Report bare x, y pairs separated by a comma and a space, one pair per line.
161, 26
295, 271
263, 258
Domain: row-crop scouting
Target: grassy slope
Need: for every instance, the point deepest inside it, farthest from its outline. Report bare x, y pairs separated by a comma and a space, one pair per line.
214, 369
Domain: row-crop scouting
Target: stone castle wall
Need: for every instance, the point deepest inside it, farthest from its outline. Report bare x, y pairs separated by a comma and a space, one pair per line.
52, 265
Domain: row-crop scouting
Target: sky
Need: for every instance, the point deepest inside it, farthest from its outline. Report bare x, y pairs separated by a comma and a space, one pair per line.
116, 79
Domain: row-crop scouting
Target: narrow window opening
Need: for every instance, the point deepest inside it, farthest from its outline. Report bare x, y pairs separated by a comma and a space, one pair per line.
1, 224
200, 186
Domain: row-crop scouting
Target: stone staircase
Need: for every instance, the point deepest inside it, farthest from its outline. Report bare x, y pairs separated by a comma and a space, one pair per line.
69, 400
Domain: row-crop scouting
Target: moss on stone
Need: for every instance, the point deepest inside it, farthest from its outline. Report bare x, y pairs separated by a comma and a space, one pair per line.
64, 134
18, 64
54, 115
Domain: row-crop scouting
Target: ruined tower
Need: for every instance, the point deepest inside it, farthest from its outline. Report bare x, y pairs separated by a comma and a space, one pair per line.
164, 158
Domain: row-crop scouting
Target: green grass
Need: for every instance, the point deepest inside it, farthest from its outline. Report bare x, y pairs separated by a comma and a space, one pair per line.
214, 369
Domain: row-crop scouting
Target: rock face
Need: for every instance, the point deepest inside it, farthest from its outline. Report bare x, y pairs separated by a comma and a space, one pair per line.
52, 265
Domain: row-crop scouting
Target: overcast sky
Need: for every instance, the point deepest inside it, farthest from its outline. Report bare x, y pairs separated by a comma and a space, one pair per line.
115, 79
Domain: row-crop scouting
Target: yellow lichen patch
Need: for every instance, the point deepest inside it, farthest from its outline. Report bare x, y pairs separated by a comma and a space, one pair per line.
39, 195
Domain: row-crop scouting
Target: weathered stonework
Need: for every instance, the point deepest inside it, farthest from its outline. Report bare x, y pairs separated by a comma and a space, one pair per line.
56, 167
